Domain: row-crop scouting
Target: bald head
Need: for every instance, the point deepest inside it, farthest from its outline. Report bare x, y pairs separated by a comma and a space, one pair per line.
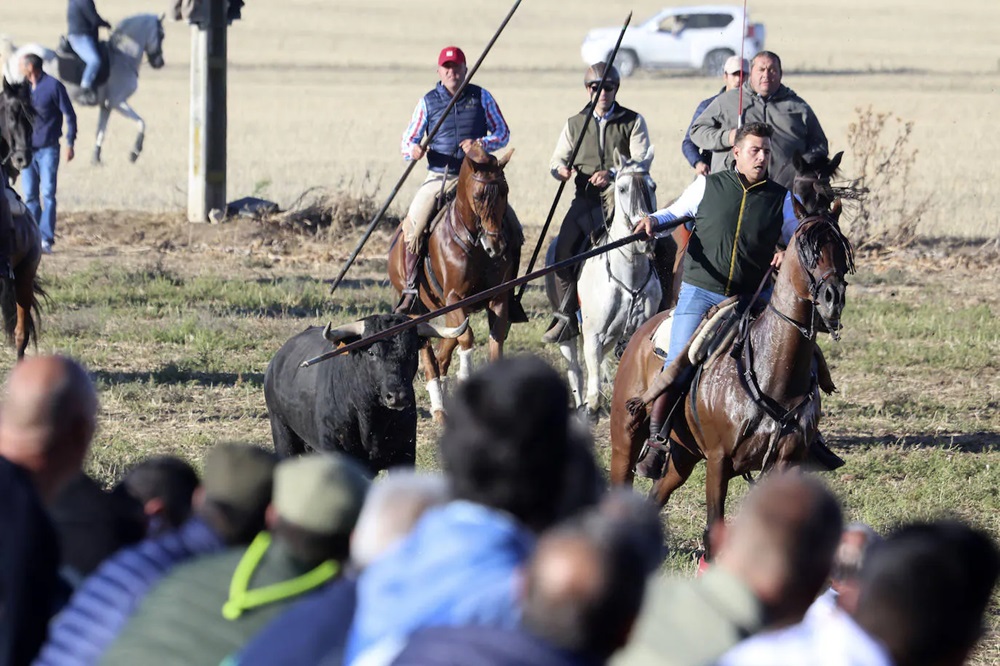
783, 541
47, 419
584, 587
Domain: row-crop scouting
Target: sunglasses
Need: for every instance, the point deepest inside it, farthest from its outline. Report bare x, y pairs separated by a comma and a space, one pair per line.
608, 87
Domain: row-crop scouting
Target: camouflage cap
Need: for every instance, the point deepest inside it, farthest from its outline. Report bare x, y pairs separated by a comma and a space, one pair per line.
322, 493
239, 475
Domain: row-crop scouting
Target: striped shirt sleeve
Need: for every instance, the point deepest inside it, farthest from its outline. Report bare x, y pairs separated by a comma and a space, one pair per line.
415, 130
498, 134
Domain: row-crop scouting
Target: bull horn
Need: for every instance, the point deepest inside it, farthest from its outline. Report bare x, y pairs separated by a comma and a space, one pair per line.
427, 330
341, 333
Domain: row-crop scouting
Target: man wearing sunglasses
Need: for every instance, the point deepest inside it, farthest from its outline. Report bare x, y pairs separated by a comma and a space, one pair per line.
609, 127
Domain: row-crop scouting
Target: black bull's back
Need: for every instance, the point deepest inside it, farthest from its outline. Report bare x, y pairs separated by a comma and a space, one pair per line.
341, 404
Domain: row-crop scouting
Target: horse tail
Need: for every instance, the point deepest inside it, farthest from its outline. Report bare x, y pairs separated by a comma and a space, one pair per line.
8, 308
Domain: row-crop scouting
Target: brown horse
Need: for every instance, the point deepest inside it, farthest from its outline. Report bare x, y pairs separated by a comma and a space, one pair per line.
721, 420
473, 246
18, 297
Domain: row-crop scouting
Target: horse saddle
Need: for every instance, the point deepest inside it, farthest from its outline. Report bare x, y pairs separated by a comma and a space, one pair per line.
70, 66
717, 332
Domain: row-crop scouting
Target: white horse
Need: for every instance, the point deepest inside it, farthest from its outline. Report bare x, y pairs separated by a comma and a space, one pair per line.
618, 290
132, 37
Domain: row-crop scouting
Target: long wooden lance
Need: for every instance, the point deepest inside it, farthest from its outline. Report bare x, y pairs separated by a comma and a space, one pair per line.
426, 141
576, 149
493, 291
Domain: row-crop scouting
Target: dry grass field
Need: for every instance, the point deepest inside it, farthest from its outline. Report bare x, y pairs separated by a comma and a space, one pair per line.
178, 321
321, 91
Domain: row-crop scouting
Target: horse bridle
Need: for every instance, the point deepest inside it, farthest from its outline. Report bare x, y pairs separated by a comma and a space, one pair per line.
480, 230
815, 287
22, 107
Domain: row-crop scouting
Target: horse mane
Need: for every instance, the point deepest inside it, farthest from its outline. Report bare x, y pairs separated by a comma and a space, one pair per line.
813, 236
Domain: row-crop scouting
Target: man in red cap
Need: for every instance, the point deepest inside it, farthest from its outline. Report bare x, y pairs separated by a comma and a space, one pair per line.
475, 118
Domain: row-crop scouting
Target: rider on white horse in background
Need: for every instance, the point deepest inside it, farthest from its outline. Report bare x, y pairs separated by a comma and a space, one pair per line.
83, 22
610, 127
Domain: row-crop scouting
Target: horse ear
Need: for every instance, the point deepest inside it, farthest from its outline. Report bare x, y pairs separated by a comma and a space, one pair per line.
619, 160
835, 162
836, 208
798, 162
800, 211
506, 158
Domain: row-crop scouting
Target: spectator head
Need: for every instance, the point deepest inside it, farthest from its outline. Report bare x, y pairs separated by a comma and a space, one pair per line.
47, 420
584, 586
235, 490
637, 520
317, 499
782, 543
845, 577
391, 509
925, 590
765, 73
164, 486
506, 441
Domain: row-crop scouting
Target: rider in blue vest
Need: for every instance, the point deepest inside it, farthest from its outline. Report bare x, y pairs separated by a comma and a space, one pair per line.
475, 118
83, 22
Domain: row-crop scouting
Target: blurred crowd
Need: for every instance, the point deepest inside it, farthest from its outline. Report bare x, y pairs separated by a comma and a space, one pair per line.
516, 553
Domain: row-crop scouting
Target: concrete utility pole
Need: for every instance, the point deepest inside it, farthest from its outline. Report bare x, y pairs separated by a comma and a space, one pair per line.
207, 152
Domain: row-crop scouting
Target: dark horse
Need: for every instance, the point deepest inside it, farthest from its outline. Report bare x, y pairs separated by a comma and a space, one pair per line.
721, 420
472, 246
18, 297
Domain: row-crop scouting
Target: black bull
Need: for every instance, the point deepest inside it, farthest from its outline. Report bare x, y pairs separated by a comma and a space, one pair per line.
361, 403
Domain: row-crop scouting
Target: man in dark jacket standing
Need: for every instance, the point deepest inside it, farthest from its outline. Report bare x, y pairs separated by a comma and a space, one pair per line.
52, 107
743, 222
610, 127
765, 100
734, 73
83, 22
47, 422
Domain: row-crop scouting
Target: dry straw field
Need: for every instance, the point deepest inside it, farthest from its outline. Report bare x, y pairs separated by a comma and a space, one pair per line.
178, 321
321, 91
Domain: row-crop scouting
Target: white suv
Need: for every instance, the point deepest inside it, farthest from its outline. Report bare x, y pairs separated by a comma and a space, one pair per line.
678, 37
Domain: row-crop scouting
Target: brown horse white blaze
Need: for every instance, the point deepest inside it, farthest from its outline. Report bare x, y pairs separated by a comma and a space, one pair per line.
475, 245
722, 423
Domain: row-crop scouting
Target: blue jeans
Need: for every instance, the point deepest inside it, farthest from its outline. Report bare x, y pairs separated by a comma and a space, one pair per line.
40, 178
692, 304
86, 48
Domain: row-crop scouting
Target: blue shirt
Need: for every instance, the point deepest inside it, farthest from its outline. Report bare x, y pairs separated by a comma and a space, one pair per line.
102, 606
51, 103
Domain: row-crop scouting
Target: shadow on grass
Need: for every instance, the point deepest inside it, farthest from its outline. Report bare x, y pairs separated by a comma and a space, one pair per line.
976, 442
173, 374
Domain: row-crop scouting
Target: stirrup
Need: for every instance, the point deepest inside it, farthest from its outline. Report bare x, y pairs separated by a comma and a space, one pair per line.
653, 458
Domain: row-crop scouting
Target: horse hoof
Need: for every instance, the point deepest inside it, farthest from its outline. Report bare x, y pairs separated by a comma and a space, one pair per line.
95, 159
439, 417
594, 416
133, 156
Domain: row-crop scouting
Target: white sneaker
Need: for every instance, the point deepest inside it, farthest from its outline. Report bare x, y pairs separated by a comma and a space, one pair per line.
46, 247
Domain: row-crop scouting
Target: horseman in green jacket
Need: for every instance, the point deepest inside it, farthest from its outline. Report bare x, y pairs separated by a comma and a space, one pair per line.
742, 223
209, 608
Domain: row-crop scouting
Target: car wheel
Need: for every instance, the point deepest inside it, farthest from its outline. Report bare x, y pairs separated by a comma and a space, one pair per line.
626, 62
715, 61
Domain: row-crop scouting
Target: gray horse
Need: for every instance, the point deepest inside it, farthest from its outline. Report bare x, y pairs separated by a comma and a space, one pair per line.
133, 37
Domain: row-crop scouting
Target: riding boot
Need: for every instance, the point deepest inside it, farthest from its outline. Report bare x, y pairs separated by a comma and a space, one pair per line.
87, 97
409, 299
564, 325
651, 465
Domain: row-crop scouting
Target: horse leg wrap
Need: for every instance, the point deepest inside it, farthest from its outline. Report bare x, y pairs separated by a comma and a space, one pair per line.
435, 391
464, 364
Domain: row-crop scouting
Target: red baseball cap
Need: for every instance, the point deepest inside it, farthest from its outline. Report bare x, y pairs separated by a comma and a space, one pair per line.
451, 54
